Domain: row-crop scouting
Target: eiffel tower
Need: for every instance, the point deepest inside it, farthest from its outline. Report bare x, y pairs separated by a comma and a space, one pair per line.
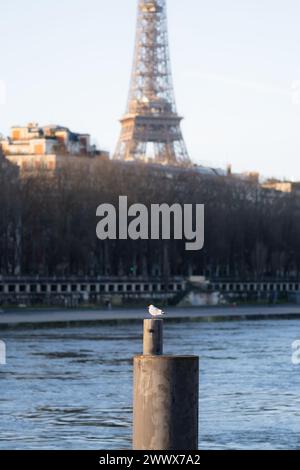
151, 126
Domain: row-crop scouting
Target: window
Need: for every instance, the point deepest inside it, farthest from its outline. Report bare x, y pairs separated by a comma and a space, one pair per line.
39, 149
16, 135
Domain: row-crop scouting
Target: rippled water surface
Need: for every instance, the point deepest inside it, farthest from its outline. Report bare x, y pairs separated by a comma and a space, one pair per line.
71, 388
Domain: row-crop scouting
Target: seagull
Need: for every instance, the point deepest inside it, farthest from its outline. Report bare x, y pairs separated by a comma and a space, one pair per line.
155, 312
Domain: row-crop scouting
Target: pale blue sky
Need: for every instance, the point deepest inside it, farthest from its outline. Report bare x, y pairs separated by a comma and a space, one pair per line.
234, 63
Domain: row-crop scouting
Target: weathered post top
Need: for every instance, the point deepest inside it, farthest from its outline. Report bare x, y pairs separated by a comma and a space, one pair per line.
153, 337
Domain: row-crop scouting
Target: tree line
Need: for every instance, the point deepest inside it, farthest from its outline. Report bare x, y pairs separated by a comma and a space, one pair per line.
48, 224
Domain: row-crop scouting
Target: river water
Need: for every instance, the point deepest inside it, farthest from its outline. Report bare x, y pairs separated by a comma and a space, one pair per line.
71, 388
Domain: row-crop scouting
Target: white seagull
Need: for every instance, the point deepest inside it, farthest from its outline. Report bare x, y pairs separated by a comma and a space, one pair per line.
155, 312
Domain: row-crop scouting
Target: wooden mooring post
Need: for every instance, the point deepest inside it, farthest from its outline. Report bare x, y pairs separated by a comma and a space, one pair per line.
166, 396
153, 337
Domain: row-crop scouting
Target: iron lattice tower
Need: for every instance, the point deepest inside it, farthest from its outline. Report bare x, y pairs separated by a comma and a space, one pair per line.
151, 126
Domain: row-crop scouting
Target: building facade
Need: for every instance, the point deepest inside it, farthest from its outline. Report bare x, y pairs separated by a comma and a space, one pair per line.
34, 148
283, 186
